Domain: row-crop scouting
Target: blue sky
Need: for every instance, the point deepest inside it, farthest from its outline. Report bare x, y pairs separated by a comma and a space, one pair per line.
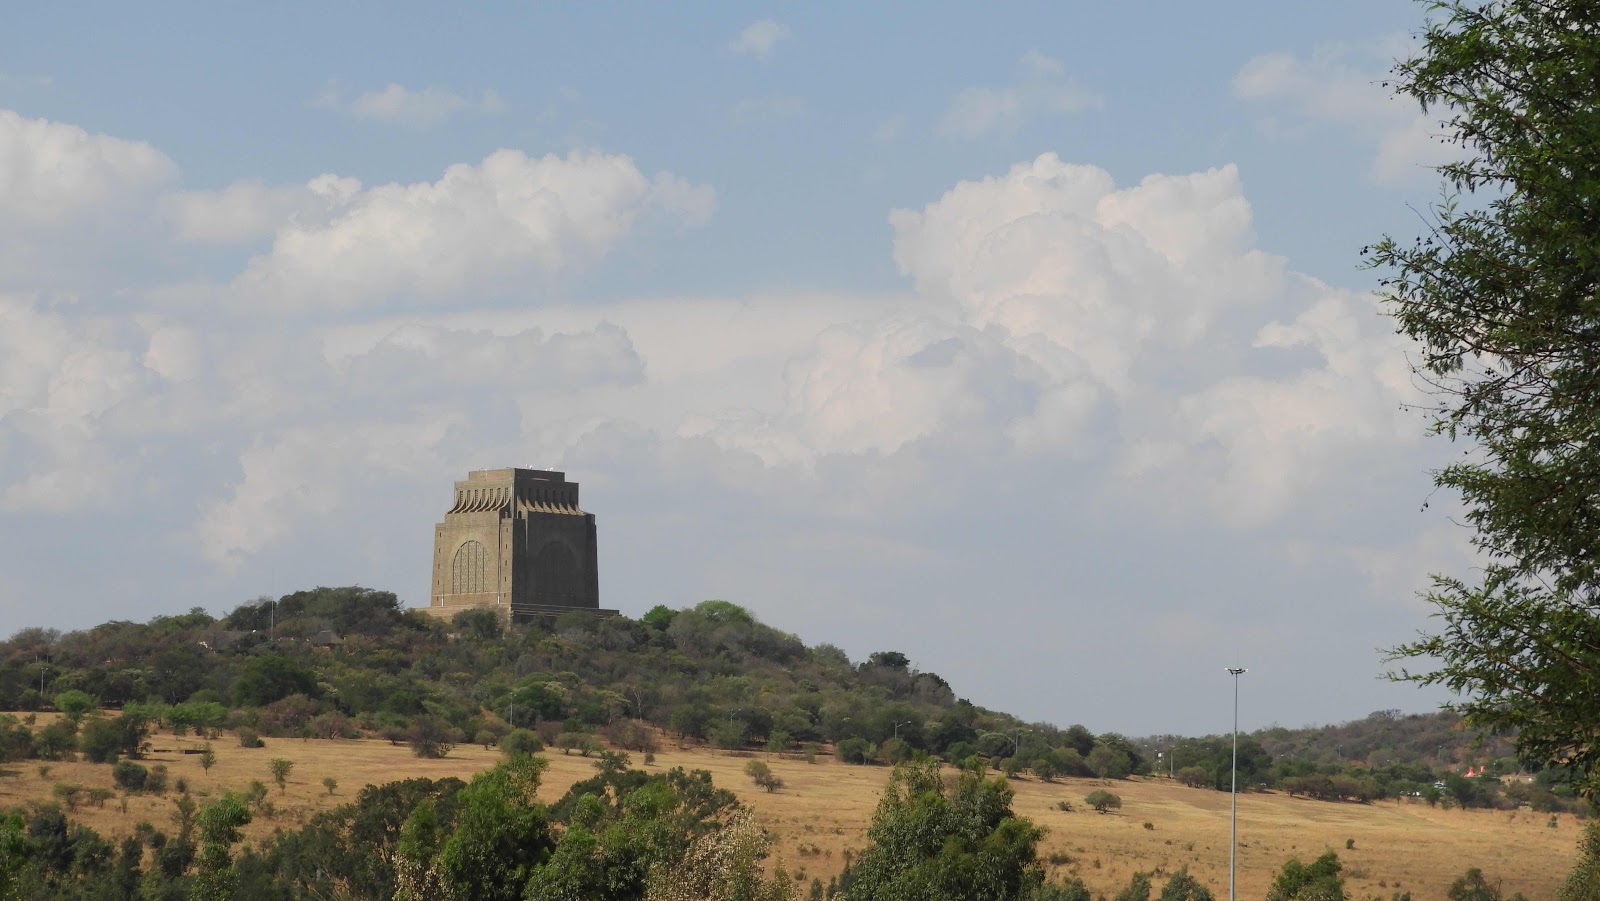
1029, 339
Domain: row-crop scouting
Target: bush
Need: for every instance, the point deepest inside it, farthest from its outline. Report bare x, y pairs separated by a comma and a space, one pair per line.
432, 738
74, 704
521, 741
1184, 887
156, 782
280, 768
582, 742
68, 793
1138, 889
893, 751
129, 775
57, 741
249, 738
763, 776
853, 750
100, 740
1103, 801
633, 735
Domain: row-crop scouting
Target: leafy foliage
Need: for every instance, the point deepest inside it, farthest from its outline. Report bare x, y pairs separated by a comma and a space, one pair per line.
1319, 880
1503, 297
930, 840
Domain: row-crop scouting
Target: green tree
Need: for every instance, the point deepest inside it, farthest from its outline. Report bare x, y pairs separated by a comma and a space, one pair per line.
13, 855
501, 833
1317, 881
1583, 883
763, 776
280, 771
1137, 889
1109, 763
1500, 294
1103, 801
208, 758
100, 740
74, 704
521, 741
129, 775
1184, 887
219, 823
272, 677
1473, 887
431, 737
956, 842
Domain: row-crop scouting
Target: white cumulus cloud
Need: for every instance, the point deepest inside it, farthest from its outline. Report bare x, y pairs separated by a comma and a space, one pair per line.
1341, 86
1043, 89
250, 210
478, 227
759, 38
419, 108
52, 173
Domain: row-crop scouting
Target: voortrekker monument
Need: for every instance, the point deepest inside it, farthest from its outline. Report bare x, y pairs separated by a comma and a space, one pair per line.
515, 541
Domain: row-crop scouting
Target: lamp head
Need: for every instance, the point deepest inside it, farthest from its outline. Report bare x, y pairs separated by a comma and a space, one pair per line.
1237, 671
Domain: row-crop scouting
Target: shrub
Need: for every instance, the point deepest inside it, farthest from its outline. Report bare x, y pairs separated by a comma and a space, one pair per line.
763, 776
250, 738
582, 742
853, 750
1319, 879
280, 771
129, 775
893, 750
633, 735
100, 740
1184, 887
156, 782
1103, 801
57, 741
1138, 889
330, 783
256, 793
74, 704
521, 741
432, 738
68, 793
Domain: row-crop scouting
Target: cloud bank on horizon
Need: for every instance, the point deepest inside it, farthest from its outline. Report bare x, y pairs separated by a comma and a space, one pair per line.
1097, 441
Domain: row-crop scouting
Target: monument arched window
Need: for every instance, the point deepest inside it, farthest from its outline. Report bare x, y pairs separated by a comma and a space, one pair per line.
467, 571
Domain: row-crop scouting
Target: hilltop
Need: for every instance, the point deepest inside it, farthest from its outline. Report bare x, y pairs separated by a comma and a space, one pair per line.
347, 662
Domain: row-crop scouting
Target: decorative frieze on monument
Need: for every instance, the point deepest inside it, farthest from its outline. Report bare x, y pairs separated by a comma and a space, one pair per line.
516, 540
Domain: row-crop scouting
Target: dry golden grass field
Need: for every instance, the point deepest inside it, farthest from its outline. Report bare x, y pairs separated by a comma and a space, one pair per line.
825, 807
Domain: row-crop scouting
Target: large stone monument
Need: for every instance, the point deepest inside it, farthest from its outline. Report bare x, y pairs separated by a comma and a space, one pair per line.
515, 541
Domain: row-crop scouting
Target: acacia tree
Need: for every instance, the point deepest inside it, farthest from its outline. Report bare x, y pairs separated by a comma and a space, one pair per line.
1502, 295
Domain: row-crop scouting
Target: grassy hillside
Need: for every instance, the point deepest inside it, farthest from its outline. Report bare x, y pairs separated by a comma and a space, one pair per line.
351, 662
822, 813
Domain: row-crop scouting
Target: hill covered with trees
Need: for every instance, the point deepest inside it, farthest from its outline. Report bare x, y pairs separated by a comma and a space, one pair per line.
343, 662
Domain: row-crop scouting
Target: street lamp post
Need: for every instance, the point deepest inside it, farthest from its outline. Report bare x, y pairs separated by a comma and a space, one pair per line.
1233, 826
897, 727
